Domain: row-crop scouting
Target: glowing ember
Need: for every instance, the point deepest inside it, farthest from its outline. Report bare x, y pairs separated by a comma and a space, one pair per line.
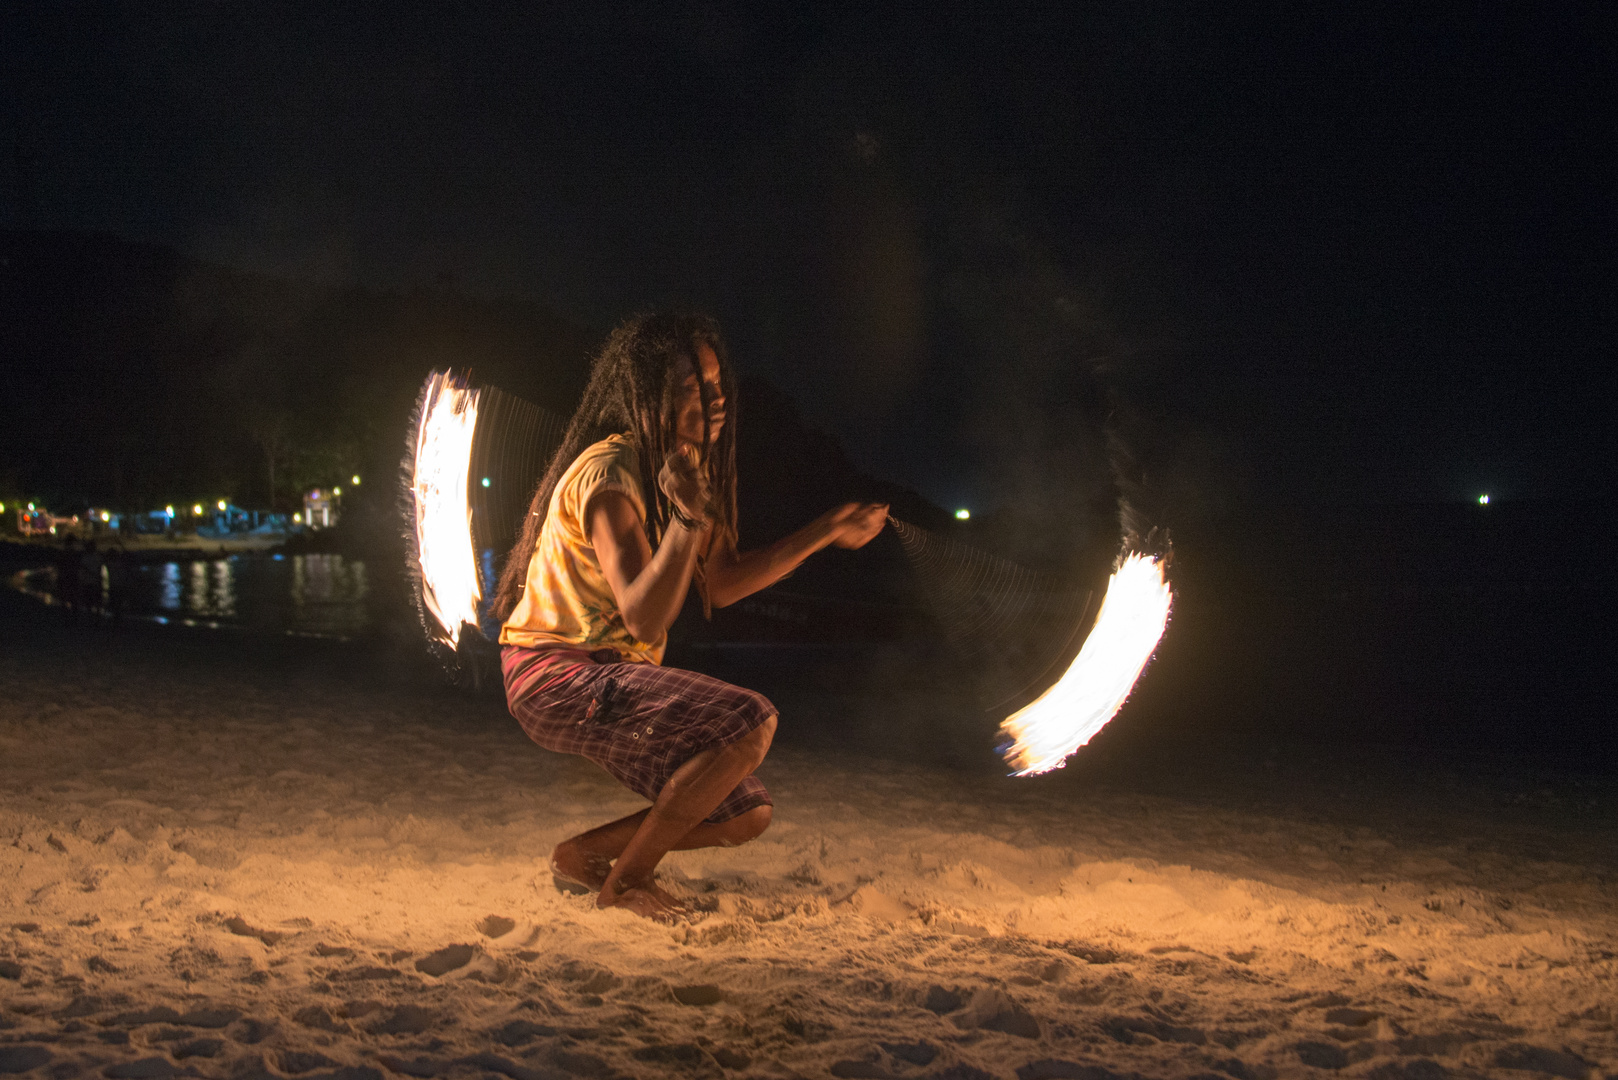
1069, 714
449, 574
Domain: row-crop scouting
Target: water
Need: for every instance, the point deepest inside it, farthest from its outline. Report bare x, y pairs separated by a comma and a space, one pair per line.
306, 595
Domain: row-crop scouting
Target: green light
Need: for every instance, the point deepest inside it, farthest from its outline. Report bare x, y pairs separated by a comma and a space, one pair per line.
963, 514
485, 481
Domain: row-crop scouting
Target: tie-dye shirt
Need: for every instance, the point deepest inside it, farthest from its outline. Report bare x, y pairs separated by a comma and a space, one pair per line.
567, 600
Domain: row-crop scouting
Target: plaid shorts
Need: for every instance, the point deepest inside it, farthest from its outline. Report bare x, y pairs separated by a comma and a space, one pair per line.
640, 722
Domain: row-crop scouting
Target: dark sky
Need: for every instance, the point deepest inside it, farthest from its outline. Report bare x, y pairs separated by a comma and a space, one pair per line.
1319, 254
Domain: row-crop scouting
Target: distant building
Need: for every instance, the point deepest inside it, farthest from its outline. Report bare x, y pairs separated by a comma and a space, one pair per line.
231, 520
41, 522
35, 522
320, 507
100, 519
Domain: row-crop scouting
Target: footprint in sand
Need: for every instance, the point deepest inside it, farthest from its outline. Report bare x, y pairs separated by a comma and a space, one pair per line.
991, 1009
698, 994
941, 1000
589, 978
302, 1061
405, 1020
253, 1031
314, 1016
242, 928
446, 960
211, 1018
23, 1058
496, 926
518, 1032
203, 1048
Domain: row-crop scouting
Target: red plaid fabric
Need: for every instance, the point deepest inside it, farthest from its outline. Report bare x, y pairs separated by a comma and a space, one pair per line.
638, 721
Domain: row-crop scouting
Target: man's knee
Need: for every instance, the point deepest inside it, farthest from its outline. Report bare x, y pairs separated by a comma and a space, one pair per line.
756, 743
748, 826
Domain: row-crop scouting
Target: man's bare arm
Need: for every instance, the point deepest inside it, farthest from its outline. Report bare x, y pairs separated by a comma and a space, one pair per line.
650, 588
732, 575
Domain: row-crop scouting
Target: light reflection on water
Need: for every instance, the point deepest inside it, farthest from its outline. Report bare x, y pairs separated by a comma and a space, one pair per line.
197, 596
169, 595
318, 595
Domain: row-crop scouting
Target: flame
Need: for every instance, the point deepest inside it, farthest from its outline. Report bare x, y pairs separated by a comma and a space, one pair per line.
1069, 714
449, 575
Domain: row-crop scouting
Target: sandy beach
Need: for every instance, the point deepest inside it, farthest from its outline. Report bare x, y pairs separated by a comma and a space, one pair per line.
222, 863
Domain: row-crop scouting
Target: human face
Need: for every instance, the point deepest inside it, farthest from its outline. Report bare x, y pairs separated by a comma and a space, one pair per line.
688, 419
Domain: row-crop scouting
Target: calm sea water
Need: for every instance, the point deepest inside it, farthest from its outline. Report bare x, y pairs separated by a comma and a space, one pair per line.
313, 595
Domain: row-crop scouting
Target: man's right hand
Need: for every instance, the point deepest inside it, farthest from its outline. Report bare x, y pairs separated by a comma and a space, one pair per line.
858, 524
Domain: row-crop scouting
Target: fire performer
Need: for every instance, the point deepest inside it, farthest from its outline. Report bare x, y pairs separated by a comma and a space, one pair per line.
600, 570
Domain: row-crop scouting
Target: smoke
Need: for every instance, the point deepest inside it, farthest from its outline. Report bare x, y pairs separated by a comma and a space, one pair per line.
1077, 370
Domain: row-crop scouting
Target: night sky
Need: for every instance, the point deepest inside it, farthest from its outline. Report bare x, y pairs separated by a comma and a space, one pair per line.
1319, 257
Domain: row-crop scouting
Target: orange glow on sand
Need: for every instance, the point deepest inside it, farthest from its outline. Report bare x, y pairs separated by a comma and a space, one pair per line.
1068, 715
449, 577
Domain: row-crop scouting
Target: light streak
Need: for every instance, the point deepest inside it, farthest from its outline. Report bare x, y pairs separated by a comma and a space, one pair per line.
449, 576
1092, 690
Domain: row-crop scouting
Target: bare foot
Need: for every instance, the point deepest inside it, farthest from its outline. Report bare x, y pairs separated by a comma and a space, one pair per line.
647, 901
574, 863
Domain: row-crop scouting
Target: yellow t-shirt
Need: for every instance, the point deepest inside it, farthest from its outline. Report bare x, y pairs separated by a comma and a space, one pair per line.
567, 600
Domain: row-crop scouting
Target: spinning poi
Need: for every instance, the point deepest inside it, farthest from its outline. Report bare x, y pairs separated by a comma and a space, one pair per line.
441, 537
1049, 730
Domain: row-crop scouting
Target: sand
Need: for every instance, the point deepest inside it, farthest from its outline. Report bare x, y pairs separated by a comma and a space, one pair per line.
211, 869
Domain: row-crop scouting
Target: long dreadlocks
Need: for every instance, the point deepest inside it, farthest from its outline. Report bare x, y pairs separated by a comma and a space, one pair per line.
634, 383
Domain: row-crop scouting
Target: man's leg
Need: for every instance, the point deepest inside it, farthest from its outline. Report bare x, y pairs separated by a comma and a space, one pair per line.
587, 858
691, 794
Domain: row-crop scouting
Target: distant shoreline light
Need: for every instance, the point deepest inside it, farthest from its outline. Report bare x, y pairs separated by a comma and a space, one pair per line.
1483, 500
963, 514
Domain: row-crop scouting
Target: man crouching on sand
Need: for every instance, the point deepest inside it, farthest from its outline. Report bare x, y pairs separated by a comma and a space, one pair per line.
599, 572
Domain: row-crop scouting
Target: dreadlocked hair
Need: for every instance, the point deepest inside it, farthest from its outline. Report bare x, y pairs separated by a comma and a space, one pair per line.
634, 384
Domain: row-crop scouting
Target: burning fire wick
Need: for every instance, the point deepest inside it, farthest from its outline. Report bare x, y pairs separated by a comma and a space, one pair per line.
449, 577
1045, 733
